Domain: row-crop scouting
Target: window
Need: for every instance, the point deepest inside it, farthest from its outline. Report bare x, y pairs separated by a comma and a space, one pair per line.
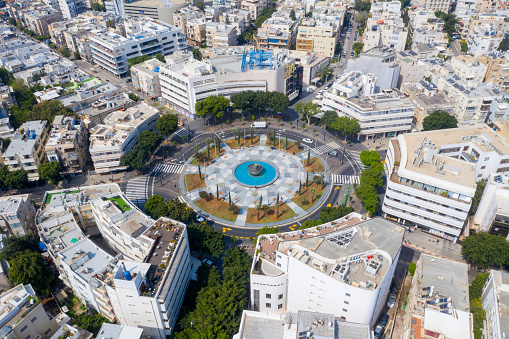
33, 319
345, 310
483, 167
23, 328
279, 297
346, 302
268, 296
486, 159
347, 294
280, 306
267, 305
47, 332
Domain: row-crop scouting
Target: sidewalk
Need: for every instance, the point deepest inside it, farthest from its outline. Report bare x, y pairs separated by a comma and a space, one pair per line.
377, 144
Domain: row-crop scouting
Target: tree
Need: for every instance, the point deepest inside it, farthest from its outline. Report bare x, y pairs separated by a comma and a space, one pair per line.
368, 196
50, 171
264, 15
178, 210
328, 118
479, 190
160, 57
150, 140
135, 158
464, 46
307, 110
19, 243
504, 44
369, 157
28, 267
347, 126
64, 51
155, 207
373, 175
276, 101
476, 287
77, 55
450, 22
324, 72
97, 7
167, 124
243, 101
5, 76
265, 230
363, 6
17, 179
292, 15
110, 24
236, 265
212, 105
91, 322
310, 223
203, 239
197, 54
328, 214
439, 120
208, 141
357, 47
12, 21
133, 97
200, 5
486, 250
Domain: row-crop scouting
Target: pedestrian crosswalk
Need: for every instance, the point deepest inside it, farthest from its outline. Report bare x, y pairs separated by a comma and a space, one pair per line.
356, 156
326, 148
171, 168
182, 132
181, 199
345, 179
136, 190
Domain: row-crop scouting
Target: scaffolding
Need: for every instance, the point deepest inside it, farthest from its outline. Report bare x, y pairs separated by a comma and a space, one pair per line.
258, 58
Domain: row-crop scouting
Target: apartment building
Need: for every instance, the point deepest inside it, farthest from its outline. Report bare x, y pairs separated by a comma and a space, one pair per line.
254, 7
185, 80
317, 37
380, 115
99, 109
276, 33
23, 316
438, 303
484, 39
112, 331
310, 63
68, 144
495, 300
26, 150
118, 134
325, 266
161, 10
17, 214
145, 36
433, 174
192, 23
433, 5
145, 77
72, 8
469, 69
390, 32
380, 61
497, 69
239, 18
498, 113
35, 16
220, 35
492, 215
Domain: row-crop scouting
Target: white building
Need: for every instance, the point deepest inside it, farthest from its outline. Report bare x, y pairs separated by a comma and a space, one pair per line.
145, 77
17, 214
184, 80
145, 36
432, 175
379, 115
118, 134
72, 8
469, 70
112, 331
390, 32
492, 215
434, 6
495, 300
26, 148
438, 303
344, 268
484, 39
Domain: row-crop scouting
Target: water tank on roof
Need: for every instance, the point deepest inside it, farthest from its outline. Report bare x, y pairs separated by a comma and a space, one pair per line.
127, 276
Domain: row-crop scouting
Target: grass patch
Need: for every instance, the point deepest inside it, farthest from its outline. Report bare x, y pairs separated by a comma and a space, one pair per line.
48, 197
193, 181
217, 208
234, 143
315, 165
120, 203
285, 212
304, 200
203, 155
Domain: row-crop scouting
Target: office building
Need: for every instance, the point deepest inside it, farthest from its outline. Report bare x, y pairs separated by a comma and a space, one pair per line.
495, 300
118, 134
438, 303
433, 174
68, 144
380, 115
145, 77
145, 36
343, 268
26, 150
17, 214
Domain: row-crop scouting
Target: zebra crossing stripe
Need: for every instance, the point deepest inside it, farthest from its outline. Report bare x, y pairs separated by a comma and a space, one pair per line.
182, 200
171, 168
345, 179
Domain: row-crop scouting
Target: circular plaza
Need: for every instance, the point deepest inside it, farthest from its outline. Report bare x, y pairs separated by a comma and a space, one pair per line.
254, 182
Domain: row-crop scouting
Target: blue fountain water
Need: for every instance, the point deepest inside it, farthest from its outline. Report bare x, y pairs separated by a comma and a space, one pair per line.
266, 176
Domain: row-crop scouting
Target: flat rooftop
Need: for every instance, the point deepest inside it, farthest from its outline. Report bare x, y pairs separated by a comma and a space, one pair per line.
10, 204
25, 139
113, 331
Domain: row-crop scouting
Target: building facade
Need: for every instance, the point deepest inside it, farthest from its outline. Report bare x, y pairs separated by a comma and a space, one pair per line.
145, 77
17, 214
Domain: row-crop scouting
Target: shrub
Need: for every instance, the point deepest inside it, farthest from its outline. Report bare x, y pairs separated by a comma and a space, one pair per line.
411, 268
203, 194
234, 209
304, 201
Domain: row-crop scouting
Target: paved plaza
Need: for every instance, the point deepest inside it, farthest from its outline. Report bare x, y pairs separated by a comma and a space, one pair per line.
220, 175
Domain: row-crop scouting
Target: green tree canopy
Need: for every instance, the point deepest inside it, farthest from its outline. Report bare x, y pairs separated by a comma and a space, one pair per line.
17, 179
236, 265
50, 171
479, 190
310, 223
347, 126
178, 210
203, 239
29, 267
328, 118
5, 76
475, 288
200, 5
504, 44
66, 52
77, 55
357, 47
264, 15
155, 207
328, 214
135, 158
160, 57
19, 243
368, 196
307, 110
373, 175
439, 120
91, 322
266, 230
450, 21
167, 124
369, 157
363, 6
150, 140
212, 105
138, 60
197, 54
278, 102
486, 250
292, 15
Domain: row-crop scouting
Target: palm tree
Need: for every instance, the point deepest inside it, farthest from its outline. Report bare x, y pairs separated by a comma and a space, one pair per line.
235, 131
324, 72
218, 143
313, 191
208, 141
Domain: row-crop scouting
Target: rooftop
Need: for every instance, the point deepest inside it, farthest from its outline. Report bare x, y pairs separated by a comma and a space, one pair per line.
502, 283
112, 331
16, 303
10, 204
25, 139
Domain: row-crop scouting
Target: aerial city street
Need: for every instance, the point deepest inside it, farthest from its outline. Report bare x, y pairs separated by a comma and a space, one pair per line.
254, 169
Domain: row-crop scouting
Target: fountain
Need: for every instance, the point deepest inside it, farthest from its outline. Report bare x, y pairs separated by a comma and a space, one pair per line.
255, 173
255, 169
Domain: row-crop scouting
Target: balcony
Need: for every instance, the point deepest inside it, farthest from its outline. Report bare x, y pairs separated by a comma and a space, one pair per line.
469, 157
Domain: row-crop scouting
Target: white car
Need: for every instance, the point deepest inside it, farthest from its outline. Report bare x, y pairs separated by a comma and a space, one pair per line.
308, 140
391, 301
318, 96
199, 218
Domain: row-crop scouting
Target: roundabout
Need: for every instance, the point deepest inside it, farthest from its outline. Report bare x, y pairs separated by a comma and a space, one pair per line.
254, 185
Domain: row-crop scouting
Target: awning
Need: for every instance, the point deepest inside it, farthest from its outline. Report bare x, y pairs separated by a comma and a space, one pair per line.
316, 79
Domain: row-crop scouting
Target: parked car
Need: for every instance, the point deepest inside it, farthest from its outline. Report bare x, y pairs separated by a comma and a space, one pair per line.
208, 263
391, 301
308, 140
318, 96
351, 54
199, 218
333, 153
